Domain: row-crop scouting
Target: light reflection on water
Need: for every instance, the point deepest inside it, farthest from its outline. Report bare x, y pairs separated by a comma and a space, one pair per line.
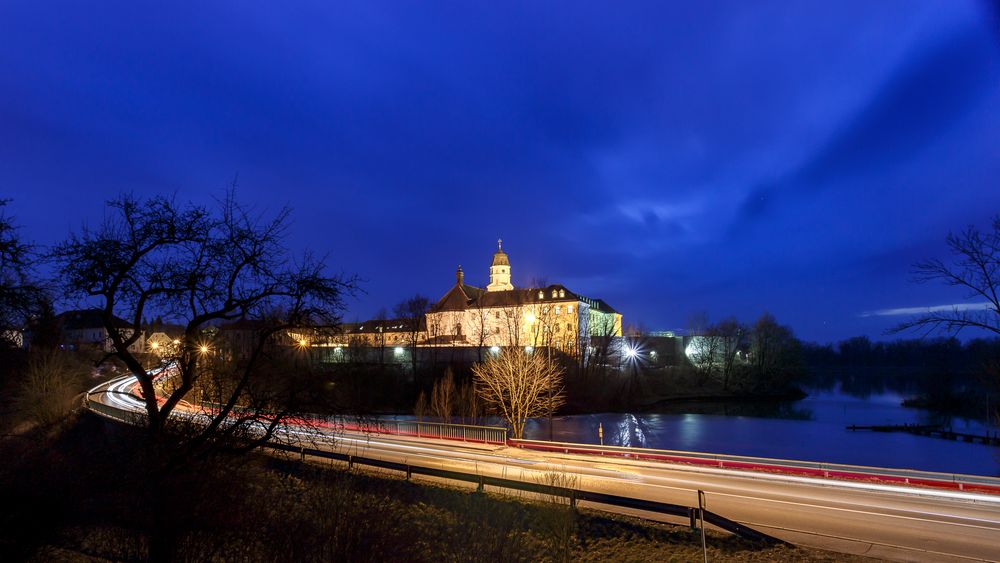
811, 429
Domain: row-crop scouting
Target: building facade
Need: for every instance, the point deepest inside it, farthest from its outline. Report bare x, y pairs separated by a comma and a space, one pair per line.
498, 315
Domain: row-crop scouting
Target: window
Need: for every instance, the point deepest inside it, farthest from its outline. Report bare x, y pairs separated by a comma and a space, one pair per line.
497, 315
555, 294
545, 309
541, 295
558, 309
569, 327
569, 309
562, 294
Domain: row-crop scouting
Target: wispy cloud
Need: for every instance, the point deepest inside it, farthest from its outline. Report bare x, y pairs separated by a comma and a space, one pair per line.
932, 309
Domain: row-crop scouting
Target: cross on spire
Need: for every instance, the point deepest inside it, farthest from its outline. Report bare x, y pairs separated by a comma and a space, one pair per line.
499, 244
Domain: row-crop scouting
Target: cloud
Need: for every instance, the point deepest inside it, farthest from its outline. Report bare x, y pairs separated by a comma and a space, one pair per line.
932, 309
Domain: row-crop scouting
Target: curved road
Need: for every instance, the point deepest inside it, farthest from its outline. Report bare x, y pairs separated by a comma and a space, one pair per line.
883, 521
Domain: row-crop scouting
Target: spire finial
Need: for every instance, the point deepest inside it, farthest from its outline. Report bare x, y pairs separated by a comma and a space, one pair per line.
459, 275
499, 244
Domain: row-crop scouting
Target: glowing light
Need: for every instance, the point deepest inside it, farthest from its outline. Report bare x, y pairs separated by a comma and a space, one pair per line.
399, 350
495, 349
177, 341
653, 353
303, 343
529, 349
630, 352
203, 349
530, 317
154, 345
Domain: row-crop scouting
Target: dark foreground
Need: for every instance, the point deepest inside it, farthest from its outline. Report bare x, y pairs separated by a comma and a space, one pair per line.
82, 492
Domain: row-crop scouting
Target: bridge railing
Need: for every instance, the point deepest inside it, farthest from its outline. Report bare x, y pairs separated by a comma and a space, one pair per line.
439, 430
809, 468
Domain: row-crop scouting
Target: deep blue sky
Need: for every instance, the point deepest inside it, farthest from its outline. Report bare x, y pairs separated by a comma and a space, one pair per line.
727, 157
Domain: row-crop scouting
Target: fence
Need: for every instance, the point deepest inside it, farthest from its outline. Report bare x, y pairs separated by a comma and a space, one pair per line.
442, 430
959, 482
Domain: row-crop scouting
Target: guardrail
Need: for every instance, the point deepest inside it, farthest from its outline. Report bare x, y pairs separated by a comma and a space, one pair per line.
971, 483
573, 495
439, 430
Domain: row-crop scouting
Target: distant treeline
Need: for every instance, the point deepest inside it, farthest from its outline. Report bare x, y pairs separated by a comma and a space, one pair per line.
941, 355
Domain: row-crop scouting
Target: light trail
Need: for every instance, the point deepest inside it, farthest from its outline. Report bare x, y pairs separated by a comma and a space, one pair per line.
908, 523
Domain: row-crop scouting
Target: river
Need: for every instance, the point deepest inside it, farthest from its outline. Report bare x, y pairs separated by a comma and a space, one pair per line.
811, 429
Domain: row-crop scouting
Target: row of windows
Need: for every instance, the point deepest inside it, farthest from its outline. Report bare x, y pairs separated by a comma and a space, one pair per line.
569, 309
561, 293
569, 327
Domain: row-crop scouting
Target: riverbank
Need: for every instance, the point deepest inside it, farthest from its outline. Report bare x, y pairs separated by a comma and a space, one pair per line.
680, 401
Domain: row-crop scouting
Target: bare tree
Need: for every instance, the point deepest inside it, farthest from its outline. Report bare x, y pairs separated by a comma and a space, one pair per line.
480, 324
51, 386
975, 268
730, 334
773, 353
443, 396
199, 267
412, 311
703, 348
20, 296
511, 317
380, 317
518, 385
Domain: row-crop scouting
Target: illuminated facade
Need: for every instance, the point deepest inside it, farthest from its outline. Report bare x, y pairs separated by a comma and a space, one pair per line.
502, 315
498, 315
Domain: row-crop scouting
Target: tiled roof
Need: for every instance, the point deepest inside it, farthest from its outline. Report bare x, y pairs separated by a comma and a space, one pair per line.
460, 298
83, 319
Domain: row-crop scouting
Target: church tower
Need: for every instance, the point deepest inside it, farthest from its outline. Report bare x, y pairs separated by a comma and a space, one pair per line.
500, 271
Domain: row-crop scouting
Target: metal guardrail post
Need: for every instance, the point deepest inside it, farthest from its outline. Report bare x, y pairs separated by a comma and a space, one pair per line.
701, 513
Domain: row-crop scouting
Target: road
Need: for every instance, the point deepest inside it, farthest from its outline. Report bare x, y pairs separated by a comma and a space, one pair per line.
882, 521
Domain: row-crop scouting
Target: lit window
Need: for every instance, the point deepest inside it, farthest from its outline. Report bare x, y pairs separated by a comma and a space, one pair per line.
562, 294
545, 309
558, 309
569, 309
541, 295
555, 294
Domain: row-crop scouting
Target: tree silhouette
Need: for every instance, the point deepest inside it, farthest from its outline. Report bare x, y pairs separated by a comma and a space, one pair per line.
198, 267
975, 268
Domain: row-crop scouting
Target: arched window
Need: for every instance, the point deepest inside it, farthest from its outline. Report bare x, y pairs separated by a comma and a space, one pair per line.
562, 294
558, 309
541, 295
555, 294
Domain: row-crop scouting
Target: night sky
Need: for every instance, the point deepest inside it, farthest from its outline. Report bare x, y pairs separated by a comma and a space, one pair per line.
726, 157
